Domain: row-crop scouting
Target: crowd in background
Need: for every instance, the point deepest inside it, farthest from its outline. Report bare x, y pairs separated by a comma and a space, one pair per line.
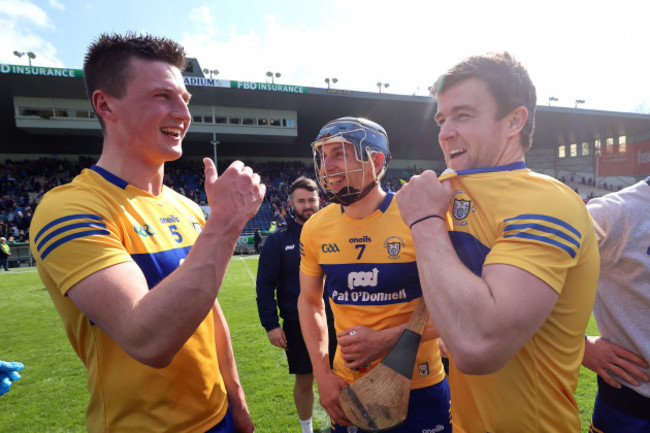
23, 183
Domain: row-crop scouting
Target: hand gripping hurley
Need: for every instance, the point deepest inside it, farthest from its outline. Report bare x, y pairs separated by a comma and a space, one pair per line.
379, 400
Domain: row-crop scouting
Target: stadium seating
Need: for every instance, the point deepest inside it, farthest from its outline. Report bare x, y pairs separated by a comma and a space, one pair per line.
262, 220
23, 182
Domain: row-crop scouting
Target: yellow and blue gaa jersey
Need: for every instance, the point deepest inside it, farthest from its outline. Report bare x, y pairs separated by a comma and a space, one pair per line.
514, 216
371, 277
96, 221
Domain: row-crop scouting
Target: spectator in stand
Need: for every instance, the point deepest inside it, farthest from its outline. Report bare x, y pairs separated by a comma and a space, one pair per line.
5, 229
28, 217
622, 307
22, 236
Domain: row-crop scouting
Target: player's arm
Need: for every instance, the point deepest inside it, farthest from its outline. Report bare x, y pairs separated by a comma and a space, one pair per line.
313, 323
268, 280
485, 320
152, 325
228, 369
361, 345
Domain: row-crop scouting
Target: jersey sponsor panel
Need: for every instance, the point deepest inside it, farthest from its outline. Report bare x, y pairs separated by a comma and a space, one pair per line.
372, 283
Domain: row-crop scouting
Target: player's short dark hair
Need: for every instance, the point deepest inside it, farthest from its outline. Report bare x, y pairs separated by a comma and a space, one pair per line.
303, 182
106, 65
507, 80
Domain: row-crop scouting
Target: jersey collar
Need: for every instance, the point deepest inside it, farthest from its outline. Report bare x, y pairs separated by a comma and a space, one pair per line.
110, 177
508, 167
384, 203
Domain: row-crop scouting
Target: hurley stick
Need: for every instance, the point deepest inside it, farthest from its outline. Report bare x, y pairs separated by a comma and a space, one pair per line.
379, 400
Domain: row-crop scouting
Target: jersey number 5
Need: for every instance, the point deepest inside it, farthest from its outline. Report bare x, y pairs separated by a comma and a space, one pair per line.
177, 236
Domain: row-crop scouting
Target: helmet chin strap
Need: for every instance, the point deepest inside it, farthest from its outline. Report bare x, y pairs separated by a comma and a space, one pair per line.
349, 195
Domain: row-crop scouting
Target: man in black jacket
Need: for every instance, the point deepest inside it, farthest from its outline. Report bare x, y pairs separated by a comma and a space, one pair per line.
278, 286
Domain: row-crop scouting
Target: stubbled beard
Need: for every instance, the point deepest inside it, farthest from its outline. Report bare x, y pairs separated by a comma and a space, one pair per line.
301, 216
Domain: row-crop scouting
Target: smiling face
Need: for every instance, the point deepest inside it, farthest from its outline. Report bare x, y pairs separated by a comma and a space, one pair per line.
471, 134
152, 118
344, 178
340, 169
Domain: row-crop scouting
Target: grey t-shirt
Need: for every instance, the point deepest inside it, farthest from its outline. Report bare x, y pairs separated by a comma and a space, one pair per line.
622, 307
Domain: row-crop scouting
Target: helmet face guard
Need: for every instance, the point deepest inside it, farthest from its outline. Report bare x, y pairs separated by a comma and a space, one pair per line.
366, 138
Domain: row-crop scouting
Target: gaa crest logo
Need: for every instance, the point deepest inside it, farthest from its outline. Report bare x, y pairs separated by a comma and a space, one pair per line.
461, 208
393, 245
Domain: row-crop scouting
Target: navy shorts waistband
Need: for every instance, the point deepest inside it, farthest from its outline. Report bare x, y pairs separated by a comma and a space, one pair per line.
625, 400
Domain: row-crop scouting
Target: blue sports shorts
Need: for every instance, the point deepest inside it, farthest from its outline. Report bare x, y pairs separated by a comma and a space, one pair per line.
227, 424
619, 410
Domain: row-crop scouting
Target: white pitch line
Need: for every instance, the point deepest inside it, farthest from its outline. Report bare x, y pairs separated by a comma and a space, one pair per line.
247, 269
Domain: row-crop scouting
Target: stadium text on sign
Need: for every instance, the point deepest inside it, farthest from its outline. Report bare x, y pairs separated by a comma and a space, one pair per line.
246, 85
250, 85
37, 70
206, 82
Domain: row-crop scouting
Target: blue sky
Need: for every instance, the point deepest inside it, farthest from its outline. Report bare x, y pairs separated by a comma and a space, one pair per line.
598, 51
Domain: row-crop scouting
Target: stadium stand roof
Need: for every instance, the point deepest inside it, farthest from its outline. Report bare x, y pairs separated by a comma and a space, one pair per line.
260, 119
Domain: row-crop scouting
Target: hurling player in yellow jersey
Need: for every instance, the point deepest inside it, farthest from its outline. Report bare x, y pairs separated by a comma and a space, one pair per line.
510, 274
133, 267
361, 253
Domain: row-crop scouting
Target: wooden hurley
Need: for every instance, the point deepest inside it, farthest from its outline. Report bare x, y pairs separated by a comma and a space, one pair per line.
380, 399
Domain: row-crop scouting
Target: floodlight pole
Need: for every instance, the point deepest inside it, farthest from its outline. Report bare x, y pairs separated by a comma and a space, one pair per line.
214, 72
596, 171
214, 142
30, 55
273, 76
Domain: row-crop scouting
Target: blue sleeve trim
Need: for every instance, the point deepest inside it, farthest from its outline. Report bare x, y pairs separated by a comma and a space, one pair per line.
546, 218
544, 239
73, 236
63, 219
68, 228
542, 228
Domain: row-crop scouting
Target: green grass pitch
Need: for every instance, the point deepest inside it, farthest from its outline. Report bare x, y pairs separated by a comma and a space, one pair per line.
52, 396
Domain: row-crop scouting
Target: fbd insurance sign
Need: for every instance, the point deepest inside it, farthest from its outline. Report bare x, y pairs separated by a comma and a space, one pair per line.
246, 85
41, 71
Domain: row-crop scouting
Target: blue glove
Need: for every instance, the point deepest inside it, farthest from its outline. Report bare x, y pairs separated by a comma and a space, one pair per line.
8, 374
